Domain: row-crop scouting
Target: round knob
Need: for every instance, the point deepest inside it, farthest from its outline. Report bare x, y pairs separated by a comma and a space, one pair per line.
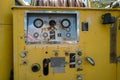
79, 53
23, 54
35, 67
79, 62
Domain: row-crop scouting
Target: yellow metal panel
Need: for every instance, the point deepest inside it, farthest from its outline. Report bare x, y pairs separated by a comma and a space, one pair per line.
6, 51
6, 54
94, 43
6, 13
118, 48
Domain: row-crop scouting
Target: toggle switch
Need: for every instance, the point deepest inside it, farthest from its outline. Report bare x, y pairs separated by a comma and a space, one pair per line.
79, 77
56, 52
66, 52
79, 61
79, 68
24, 62
72, 60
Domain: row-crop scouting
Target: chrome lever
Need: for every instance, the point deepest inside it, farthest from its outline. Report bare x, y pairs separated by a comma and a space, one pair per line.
90, 60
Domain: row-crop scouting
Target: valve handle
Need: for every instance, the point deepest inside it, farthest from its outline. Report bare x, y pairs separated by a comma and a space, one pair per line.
90, 60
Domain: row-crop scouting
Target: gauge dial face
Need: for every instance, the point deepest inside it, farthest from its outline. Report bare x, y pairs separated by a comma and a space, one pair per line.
65, 23
45, 35
38, 23
36, 35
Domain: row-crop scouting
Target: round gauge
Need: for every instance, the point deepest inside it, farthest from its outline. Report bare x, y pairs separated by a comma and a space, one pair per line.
45, 34
36, 35
65, 23
68, 35
68, 29
38, 23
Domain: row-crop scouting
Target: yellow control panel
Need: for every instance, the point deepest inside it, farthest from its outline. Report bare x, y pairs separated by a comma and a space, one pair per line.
64, 43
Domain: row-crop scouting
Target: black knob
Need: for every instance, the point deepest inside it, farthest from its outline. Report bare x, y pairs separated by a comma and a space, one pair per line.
79, 53
35, 67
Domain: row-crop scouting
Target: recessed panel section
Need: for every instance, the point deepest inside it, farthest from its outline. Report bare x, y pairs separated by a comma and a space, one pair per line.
38, 23
51, 27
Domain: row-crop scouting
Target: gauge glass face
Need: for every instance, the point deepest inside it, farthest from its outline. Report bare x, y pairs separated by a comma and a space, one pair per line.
45, 35
65, 23
38, 23
36, 35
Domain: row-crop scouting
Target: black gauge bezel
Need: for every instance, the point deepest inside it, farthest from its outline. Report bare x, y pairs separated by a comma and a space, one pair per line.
37, 20
67, 21
35, 35
44, 34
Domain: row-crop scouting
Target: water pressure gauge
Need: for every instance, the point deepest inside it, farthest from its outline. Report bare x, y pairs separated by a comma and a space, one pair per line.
65, 23
36, 35
45, 34
38, 23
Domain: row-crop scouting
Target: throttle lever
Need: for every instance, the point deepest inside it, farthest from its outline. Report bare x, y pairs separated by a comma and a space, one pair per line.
90, 60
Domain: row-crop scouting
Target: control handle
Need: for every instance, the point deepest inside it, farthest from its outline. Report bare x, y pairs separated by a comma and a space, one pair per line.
90, 60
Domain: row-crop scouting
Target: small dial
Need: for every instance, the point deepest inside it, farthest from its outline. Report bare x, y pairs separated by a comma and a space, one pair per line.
65, 23
38, 23
36, 35
68, 35
45, 34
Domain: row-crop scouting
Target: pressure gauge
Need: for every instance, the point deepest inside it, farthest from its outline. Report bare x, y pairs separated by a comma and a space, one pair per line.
38, 23
65, 23
45, 34
36, 35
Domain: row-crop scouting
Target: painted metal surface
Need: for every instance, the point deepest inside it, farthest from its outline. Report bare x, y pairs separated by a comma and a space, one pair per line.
6, 52
6, 48
94, 43
6, 13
